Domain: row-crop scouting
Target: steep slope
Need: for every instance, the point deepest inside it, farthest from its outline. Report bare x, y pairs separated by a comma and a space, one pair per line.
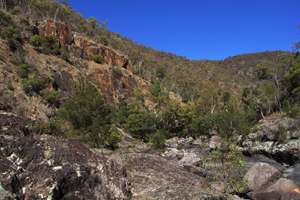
174, 72
111, 73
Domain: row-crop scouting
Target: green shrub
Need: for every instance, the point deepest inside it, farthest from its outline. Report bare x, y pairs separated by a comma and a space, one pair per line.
90, 118
175, 120
50, 127
52, 97
293, 110
116, 72
263, 73
156, 89
98, 59
5, 19
281, 134
23, 70
113, 138
45, 44
232, 167
160, 73
226, 123
85, 107
34, 84
18, 57
123, 112
158, 139
13, 37
141, 125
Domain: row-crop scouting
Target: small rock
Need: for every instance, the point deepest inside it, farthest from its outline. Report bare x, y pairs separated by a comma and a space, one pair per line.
189, 158
173, 153
215, 142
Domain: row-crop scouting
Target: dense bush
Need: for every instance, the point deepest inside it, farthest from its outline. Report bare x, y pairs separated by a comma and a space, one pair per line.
293, 78
45, 44
5, 19
116, 72
85, 107
23, 70
98, 59
52, 97
34, 84
176, 121
90, 118
13, 37
113, 138
141, 125
157, 140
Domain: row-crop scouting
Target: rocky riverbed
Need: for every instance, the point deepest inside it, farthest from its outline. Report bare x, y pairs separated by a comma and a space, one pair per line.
47, 167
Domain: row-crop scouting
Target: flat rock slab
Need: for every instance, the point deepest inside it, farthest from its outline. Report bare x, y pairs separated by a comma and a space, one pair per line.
155, 177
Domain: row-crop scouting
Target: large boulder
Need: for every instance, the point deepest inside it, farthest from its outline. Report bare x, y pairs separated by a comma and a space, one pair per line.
259, 175
46, 167
215, 142
283, 189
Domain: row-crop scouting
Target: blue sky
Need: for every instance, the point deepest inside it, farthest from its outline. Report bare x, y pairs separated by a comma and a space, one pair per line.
201, 29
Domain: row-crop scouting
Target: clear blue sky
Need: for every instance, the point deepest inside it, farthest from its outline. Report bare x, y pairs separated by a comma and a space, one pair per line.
201, 29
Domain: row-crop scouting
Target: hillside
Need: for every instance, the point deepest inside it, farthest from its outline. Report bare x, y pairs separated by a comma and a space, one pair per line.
88, 114
172, 70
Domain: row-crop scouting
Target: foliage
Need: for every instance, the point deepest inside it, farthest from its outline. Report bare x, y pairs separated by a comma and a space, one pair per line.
141, 124
45, 44
156, 89
98, 59
232, 167
113, 138
116, 72
52, 97
5, 19
176, 120
123, 112
34, 84
13, 37
292, 109
281, 134
293, 78
263, 73
84, 108
160, 73
226, 124
157, 140
24, 70
90, 118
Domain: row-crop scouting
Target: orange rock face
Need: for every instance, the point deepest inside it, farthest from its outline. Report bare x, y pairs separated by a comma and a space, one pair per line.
113, 75
57, 30
85, 47
90, 48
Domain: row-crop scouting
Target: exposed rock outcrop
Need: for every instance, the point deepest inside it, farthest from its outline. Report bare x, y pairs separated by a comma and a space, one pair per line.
82, 46
57, 30
277, 137
46, 167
